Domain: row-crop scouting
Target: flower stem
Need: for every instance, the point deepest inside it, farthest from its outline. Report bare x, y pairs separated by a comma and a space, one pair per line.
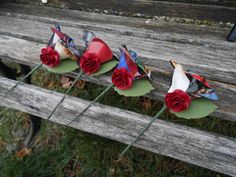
62, 99
31, 72
143, 130
91, 103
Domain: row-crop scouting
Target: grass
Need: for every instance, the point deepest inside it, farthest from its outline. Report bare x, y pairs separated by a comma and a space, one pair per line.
61, 151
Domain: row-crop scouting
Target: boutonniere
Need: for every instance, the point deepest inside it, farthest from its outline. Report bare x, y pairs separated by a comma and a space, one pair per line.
98, 57
130, 78
190, 96
59, 56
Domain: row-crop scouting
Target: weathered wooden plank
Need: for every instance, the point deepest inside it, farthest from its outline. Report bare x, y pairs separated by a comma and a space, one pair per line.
155, 7
185, 143
43, 13
26, 52
207, 52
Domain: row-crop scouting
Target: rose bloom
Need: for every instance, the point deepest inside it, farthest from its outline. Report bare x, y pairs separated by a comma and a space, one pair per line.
89, 63
50, 57
178, 100
122, 79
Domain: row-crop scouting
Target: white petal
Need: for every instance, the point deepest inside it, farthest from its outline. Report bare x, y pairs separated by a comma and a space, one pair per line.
55, 38
179, 79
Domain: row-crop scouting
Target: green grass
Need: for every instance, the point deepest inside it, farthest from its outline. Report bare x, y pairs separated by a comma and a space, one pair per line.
61, 151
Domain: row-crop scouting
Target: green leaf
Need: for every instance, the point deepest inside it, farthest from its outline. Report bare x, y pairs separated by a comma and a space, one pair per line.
199, 108
66, 65
139, 88
105, 67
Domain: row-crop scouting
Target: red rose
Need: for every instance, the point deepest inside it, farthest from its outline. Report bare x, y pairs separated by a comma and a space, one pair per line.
50, 57
122, 79
178, 100
89, 63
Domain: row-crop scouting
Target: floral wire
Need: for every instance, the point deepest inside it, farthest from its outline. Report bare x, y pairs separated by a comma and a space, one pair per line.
143, 130
62, 99
19, 82
91, 103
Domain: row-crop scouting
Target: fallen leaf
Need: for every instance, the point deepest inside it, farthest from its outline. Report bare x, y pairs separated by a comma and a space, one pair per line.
51, 84
26, 123
67, 85
2, 143
24, 152
65, 81
78, 168
80, 84
147, 103
70, 173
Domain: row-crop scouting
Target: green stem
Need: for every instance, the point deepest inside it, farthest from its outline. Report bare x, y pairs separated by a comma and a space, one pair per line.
143, 130
62, 99
91, 103
31, 72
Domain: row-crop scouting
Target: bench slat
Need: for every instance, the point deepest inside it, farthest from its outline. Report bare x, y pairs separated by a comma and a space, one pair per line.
204, 52
155, 7
181, 142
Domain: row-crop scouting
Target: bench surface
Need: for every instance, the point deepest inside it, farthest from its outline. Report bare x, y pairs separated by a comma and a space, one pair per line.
24, 30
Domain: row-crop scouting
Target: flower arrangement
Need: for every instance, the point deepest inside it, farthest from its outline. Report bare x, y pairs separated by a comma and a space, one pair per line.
190, 96
131, 77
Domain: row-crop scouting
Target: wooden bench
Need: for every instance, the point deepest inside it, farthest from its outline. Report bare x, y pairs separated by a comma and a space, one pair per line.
24, 30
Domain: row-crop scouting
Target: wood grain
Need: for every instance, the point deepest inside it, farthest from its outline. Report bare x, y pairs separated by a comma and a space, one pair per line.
204, 149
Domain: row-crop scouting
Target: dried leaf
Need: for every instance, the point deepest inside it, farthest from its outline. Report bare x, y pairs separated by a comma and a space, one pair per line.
70, 173
2, 143
24, 152
51, 84
80, 84
147, 103
26, 123
67, 85
65, 81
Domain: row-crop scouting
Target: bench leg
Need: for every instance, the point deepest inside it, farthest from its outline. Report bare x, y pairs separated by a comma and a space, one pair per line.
35, 122
35, 125
232, 35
